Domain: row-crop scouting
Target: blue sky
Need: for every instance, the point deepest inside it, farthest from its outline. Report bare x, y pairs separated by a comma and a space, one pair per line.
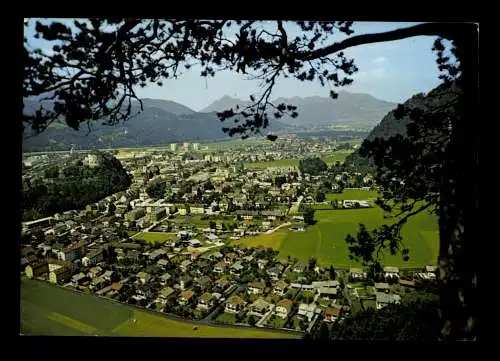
392, 71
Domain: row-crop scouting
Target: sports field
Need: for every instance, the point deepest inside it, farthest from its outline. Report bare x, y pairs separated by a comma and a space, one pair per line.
51, 310
326, 239
153, 237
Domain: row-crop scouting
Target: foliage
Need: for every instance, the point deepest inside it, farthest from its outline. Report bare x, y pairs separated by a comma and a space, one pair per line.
309, 215
415, 320
312, 166
156, 189
79, 187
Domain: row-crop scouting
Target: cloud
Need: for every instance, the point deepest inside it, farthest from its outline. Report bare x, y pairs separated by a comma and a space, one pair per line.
378, 60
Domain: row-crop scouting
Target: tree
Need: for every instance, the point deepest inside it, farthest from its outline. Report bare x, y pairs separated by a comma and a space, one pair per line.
309, 215
332, 273
212, 225
223, 227
251, 320
320, 196
312, 263
92, 78
313, 166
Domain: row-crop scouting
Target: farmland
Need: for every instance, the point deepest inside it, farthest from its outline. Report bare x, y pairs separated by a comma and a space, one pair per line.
326, 239
50, 310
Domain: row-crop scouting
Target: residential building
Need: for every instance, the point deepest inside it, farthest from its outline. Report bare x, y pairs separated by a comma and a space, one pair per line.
185, 281
95, 272
60, 275
283, 308
357, 274
185, 297
143, 277
327, 292
220, 267
280, 288
332, 314
391, 272
384, 299
382, 287
307, 311
165, 293
256, 288
260, 307
206, 301
234, 304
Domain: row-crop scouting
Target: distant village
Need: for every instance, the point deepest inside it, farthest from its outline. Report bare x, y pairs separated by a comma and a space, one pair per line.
202, 201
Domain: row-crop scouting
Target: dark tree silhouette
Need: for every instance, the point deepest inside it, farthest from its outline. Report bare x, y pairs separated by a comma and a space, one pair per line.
93, 73
309, 215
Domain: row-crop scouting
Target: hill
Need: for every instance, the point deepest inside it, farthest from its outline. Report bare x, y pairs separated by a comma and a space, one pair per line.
152, 127
357, 110
71, 182
167, 106
390, 126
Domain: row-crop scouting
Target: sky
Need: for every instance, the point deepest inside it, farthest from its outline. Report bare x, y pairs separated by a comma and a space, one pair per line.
392, 71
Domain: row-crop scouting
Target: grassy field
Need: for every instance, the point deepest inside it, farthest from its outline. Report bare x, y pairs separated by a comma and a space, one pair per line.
294, 162
326, 239
354, 194
153, 237
50, 310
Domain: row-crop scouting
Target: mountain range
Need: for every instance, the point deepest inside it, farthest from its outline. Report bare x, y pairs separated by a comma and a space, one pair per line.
164, 121
353, 109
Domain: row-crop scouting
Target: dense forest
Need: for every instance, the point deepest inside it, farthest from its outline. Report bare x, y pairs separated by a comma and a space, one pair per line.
391, 125
312, 166
72, 185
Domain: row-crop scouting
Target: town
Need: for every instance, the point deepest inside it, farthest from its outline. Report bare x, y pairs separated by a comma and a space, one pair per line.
174, 242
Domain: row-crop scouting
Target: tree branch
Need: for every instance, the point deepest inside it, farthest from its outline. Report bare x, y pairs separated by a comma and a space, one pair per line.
445, 30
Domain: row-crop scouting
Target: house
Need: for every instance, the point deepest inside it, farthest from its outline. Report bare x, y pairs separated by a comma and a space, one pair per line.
117, 286
109, 276
357, 274
236, 268
164, 278
260, 307
185, 297
332, 314
220, 267
95, 272
230, 257
185, 281
298, 267
78, 278
206, 301
327, 292
382, 287
384, 299
163, 263
184, 265
156, 254
261, 263
391, 272
234, 304
143, 277
274, 272
430, 269
280, 288
222, 283
195, 243
283, 308
307, 311
326, 284
256, 288
405, 283
97, 284
165, 293
203, 282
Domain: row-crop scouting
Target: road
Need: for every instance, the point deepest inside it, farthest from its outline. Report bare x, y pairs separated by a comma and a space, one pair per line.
275, 229
296, 206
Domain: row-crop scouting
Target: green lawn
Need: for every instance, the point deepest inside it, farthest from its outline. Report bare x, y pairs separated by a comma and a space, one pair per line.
369, 304
354, 194
326, 239
51, 310
339, 155
227, 317
153, 237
